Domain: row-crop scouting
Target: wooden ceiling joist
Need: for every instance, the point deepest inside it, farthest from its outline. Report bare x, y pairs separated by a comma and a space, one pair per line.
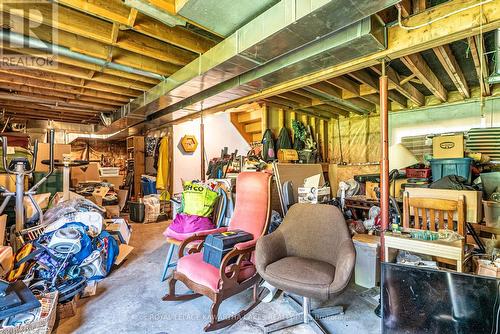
70, 81
476, 45
48, 106
369, 80
116, 11
21, 97
14, 79
450, 64
418, 66
406, 89
43, 115
86, 26
98, 49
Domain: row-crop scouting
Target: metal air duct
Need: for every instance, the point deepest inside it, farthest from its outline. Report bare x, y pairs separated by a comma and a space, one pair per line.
275, 41
495, 76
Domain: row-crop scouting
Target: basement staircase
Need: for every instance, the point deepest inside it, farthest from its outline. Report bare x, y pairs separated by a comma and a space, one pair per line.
250, 120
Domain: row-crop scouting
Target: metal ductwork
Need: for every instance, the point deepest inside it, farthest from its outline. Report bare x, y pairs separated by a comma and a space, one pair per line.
495, 76
288, 40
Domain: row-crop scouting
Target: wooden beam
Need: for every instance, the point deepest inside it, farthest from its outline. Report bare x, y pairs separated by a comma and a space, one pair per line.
304, 101
31, 82
131, 17
71, 81
22, 97
407, 89
480, 63
115, 11
405, 8
419, 6
114, 33
400, 42
85, 67
450, 64
417, 65
333, 110
130, 52
369, 80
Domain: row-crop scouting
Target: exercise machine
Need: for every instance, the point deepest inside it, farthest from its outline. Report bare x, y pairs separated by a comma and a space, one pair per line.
66, 165
21, 167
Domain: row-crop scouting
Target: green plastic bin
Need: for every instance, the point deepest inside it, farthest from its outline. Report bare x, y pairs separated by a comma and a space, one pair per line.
53, 184
443, 167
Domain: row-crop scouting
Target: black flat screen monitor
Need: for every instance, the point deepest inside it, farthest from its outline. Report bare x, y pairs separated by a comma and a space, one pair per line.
427, 301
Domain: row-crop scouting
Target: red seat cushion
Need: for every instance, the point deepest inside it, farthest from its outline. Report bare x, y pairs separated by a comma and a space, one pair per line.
205, 274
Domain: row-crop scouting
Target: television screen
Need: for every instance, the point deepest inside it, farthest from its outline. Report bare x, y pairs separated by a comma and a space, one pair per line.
423, 301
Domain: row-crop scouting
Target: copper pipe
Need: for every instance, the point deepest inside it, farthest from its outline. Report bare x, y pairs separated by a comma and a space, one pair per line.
202, 149
384, 163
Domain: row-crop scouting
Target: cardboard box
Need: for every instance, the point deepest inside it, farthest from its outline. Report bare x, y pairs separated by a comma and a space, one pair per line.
68, 309
44, 154
394, 190
124, 251
314, 191
9, 181
42, 200
112, 211
473, 200
444, 147
85, 173
119, 229
116, 181
314, 195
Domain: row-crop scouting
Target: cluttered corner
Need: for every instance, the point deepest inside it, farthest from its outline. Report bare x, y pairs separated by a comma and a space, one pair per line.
59, 259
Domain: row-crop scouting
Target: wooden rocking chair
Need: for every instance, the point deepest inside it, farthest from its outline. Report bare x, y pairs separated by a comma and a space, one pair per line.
251, 214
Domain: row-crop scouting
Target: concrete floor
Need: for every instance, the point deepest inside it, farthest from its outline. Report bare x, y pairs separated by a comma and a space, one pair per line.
129, 301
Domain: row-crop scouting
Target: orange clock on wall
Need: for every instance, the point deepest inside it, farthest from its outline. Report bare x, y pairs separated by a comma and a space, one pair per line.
189, 143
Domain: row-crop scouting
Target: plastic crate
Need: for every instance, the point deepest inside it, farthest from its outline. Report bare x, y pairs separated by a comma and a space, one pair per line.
443, 167
418, 173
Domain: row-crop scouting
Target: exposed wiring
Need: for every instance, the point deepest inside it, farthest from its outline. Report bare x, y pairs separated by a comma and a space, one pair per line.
398, 6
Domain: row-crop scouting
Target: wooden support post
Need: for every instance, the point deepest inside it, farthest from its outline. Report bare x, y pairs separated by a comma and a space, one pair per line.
384, 163
264, 118
281, 118
293, 117
322, 140
331, 135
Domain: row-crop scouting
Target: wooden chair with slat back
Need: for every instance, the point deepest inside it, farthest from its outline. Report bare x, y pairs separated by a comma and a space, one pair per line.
434, 214
431, 213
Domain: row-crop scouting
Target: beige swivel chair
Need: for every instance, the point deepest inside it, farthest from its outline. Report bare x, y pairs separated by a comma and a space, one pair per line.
312, 255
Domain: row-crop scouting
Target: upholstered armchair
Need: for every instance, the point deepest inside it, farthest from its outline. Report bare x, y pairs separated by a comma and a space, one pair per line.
312, 255
237, 271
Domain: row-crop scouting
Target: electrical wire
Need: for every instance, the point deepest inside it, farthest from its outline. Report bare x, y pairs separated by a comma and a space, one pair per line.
398, 6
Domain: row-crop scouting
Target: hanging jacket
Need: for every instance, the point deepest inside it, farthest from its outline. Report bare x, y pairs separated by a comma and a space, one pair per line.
283, 141
268, 150
162, 170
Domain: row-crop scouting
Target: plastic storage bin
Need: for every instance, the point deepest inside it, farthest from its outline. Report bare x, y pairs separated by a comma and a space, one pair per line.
137, 212
443, 167
492, 213
367, 270
53, 184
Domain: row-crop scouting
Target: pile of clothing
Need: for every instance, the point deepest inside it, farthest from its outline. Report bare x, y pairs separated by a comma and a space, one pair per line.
72, 249
198, 201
